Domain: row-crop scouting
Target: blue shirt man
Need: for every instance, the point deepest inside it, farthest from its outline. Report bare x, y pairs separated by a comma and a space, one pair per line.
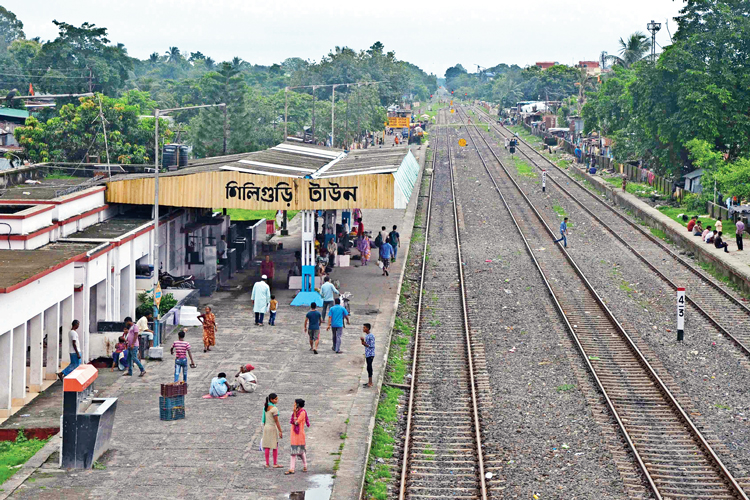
386, 251
563, 232
336, 317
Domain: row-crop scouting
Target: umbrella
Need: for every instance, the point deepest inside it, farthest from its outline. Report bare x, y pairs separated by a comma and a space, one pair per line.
425, 116
418, 130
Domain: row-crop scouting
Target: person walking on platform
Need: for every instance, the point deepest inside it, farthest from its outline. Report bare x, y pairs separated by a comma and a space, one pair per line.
75, 354
740, 229
267, 268
336, 317
261, 298
208, 318
563, 232
385, 253
395, 240
327, 291
312, 327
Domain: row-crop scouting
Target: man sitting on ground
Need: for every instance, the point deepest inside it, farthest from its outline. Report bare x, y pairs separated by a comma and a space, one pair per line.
710, 235
698, 229
692, 222
720, 244
705, 233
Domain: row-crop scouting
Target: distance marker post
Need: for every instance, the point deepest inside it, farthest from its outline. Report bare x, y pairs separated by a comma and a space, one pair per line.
680, 314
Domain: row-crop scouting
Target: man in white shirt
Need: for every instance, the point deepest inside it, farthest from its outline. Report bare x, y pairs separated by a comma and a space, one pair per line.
75, 353
143, 328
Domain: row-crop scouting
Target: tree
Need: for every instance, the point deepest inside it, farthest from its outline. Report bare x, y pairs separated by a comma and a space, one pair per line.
11, 28
80, 60
632, 50
153, 58
76, 132
173, 55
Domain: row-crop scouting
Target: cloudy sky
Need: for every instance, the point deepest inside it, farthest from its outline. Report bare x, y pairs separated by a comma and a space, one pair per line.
433, 35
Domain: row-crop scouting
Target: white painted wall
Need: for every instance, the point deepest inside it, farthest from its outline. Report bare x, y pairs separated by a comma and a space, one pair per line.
26, 302
68, 209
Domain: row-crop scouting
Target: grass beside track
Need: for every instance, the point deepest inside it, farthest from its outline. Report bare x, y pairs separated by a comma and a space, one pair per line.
13, 453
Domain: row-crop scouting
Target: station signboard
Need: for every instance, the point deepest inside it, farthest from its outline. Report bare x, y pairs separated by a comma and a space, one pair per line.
399, 121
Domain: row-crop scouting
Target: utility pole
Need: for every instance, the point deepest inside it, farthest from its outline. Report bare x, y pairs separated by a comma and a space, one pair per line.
313, 117
286, 110
104, 129
333, 112
226, 131
155, 250
359, 130
653, 28
346, 133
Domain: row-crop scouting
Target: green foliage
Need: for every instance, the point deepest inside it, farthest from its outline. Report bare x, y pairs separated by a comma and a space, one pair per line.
147, 303
732, 177
16, 452
11, 28
76, 132
695, 91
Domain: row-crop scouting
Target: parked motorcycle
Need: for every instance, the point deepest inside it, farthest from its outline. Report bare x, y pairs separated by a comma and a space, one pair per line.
166, 280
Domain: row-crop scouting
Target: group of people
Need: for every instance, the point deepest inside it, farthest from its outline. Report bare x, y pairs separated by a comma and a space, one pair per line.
714, 235
272, 432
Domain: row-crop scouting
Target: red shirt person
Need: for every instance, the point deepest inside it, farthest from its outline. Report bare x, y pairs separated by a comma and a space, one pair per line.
266, 267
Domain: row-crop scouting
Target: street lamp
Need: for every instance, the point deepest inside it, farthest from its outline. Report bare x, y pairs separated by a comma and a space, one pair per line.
653, 28
155, 276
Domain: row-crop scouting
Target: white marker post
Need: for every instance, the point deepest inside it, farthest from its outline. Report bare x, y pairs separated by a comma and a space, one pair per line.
544, 180
680, 314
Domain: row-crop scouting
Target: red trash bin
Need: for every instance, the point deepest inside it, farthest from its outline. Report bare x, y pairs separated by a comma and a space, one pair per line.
270, 226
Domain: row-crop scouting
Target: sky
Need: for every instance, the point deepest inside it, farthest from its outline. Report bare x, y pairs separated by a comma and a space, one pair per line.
434, 35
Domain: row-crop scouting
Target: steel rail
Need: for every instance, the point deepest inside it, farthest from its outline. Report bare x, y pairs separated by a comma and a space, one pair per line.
467, 331
651, 373
722, 329
413, 383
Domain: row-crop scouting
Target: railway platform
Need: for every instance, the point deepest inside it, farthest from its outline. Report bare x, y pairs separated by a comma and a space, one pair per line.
214, 451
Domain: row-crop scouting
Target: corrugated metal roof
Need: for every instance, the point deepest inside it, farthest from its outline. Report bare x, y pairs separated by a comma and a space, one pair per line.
14, 113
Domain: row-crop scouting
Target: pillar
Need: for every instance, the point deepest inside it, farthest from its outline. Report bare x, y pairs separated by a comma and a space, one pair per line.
66, 315
308, 295
18, 370
6, 346
36, 353
52, 331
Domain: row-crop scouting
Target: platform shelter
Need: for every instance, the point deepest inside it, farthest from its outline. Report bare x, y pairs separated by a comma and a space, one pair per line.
289, 176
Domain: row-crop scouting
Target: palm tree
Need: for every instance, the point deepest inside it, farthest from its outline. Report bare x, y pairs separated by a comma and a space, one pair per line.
173, 54
237, 63
632, 51
210, 63
153, 58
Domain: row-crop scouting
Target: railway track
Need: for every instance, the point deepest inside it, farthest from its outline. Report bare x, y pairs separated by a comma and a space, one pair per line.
442, 457
676, 459
704, 293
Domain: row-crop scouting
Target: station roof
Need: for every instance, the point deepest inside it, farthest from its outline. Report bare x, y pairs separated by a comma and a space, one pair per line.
110, 228
47, 190
20, 266
280, 164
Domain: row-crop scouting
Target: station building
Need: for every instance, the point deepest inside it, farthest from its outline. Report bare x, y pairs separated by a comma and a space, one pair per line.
85, 251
